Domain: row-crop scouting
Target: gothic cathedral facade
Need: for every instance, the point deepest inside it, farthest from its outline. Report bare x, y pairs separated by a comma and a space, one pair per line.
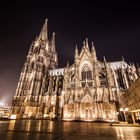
86, 90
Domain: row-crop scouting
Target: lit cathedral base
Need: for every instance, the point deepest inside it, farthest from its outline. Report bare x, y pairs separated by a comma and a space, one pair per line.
80, 111
90, 112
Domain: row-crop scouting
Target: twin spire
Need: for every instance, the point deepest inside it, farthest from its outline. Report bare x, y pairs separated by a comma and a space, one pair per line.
44, 32
43, 36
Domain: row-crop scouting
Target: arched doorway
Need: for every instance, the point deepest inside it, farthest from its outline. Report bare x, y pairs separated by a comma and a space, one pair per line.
69, 111
87, 108
107, 114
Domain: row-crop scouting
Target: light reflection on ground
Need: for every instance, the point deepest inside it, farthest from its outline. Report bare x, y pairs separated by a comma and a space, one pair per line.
53, 130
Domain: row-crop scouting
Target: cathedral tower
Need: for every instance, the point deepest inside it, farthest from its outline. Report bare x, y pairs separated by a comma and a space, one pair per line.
41, 57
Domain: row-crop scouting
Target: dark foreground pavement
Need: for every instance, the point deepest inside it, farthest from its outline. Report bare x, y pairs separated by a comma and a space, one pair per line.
57, 130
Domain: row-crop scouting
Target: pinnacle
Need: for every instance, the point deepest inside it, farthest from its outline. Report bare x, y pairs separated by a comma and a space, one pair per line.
76, 51
53, 33
92, 44
122, 58
104, 58
84, 43
44, 32
46, 20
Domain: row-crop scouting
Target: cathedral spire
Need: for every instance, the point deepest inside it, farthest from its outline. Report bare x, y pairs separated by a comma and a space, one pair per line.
68, 64
86, 44
104, 59
53, 42
76, 52
93, 51
44, 32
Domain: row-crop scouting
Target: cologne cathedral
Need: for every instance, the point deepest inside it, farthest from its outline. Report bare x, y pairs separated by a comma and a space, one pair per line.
87, 90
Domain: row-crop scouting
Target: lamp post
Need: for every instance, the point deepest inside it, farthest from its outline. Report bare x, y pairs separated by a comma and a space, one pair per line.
124, 110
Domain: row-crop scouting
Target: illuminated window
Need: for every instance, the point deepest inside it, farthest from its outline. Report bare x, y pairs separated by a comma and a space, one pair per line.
86, 75
102, 78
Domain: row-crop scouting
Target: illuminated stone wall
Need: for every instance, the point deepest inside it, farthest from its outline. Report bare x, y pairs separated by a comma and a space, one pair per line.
131, 98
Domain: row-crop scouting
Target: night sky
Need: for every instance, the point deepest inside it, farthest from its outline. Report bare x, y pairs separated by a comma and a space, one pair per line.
114, 27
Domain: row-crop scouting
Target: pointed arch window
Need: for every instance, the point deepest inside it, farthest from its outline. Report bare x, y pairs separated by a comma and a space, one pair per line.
102, 78
86, 75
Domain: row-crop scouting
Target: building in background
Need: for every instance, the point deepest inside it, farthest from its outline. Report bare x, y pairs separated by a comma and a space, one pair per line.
5, 111
86, 90
131, 100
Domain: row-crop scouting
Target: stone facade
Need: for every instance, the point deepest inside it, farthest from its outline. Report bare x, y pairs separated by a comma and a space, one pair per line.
86, 90
131, 100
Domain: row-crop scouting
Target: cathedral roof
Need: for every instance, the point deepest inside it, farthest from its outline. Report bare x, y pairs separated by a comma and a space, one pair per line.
118, 64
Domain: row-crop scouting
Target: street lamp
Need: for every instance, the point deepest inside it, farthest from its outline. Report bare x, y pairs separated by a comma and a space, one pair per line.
124, 110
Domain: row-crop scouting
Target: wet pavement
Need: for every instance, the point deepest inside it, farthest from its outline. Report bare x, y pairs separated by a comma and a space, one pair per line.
57, 130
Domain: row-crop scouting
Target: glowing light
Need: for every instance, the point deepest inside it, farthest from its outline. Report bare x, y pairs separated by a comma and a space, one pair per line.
13, 116
29, 114
83, 115
45, 115
126, 109
52, 115
121, 109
